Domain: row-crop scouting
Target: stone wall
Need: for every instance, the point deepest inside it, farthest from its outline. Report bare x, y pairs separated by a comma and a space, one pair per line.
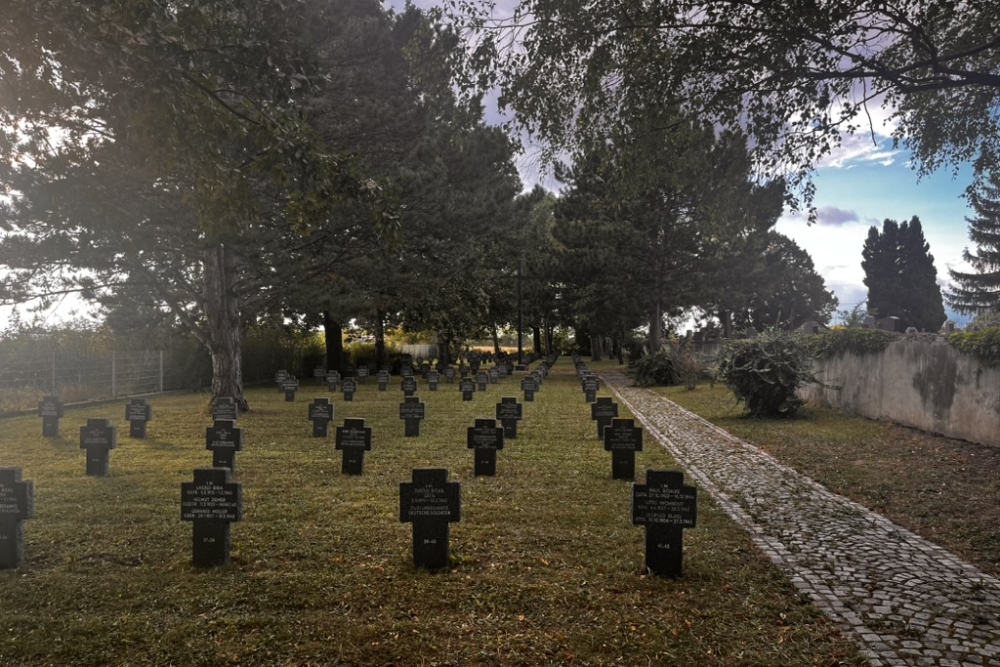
919, 381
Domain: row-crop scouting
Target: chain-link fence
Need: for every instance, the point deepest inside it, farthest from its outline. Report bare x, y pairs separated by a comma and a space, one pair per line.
30, 373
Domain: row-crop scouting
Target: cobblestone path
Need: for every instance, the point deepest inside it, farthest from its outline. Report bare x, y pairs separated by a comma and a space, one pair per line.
904, 600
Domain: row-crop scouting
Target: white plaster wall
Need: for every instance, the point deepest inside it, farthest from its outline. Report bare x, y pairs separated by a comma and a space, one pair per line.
919, 382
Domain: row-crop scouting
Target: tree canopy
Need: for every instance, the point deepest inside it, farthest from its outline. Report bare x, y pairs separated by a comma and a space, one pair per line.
791, 75
978, 291
900, 275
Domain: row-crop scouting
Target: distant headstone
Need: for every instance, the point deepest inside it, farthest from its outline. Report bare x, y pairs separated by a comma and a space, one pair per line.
321, 413
349, 386
481, 381
223, 439
665, 506
509, 412
137, 413
349, 370
502, 371
623, 439
493, 376
603, 410
50, 409
430, 502
279, 379
353, 439
333, 380
449, 375
468, 388
529, 386
17, 504
406, 371
211, 502
485, 438
362, 373
411, 410
382, 378
224, 408
290, 386
98, 437
320, 374
590, 389
408, 385
433, 380
891, 323
425, 368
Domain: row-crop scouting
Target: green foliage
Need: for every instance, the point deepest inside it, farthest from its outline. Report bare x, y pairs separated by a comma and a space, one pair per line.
787, 72
852, 340
983, 345
900, 275
766, 372
977, 291
659, 368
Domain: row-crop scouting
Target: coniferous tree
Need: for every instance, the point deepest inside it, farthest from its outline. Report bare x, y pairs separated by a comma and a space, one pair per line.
978, 291
900, 275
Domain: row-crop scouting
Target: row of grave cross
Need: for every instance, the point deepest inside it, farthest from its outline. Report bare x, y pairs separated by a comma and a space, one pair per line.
213, 501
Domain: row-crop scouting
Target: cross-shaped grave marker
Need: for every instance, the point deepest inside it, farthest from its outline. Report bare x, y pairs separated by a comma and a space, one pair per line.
408, 385
485, 438
224, 408
211, 502
319, 373
98, 437
509, 412
50, 409
17, 503
430, 502
290, 385
382, 379
603, 410
623, 439
590, 387
279, 379
433, 380
353, 439
321, 412
137, 413
349, 386
482, 379
224, 440
332, 380
362, 373
449, 375
529, 386
468, 388
411, 410
665, 506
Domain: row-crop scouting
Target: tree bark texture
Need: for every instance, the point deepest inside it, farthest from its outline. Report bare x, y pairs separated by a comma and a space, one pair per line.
334, 332
224, 328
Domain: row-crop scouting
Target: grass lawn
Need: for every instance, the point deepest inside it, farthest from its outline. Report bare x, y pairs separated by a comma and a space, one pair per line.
945, 490
546, 566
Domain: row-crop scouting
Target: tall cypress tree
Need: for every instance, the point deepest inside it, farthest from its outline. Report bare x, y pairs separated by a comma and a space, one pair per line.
900, 275
978, 291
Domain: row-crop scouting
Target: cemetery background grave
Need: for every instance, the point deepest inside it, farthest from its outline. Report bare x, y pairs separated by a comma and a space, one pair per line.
546, 561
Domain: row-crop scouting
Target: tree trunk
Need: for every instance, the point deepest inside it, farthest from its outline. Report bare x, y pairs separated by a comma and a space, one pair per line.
334, 332
224, 328
655, 323
596, 348
444, 349
726, 317
379, 339
549, 336
537, 336
495, 333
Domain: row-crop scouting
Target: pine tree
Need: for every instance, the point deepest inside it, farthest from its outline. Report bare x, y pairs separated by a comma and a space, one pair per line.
900, 275
978, 291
